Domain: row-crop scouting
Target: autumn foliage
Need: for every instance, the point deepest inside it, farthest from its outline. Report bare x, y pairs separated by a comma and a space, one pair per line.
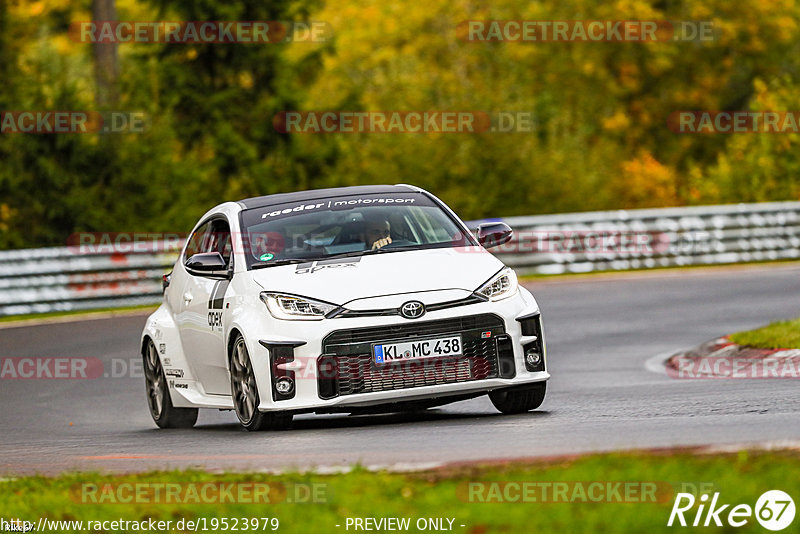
599, 140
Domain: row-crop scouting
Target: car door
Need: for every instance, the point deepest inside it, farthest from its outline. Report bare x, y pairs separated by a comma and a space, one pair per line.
202, 316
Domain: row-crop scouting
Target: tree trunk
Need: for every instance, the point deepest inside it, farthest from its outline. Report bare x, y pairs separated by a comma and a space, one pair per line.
106, 67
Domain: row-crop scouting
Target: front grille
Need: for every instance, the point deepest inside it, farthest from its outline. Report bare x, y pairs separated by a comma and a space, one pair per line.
347, 368
341, 313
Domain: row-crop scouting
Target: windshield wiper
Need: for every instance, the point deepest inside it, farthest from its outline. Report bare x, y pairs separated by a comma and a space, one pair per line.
357, 253
284, 261
391, 249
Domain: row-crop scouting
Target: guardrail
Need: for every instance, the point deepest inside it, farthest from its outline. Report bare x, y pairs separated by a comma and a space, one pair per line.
651, 238
68, 278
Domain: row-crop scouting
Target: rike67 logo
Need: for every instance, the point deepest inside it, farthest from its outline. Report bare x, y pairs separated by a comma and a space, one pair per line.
774, 510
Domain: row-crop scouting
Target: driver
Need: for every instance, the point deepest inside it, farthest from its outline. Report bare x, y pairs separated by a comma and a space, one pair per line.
376, 232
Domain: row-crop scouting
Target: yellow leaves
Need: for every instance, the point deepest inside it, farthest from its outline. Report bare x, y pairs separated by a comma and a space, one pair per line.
635, 10
785, 28
40, 8
645, 182
617, 122
6, 216
760, 166
371, 15
246, 80
63, 45
701, 188
777, 95
699, 11
36, 8
629, 76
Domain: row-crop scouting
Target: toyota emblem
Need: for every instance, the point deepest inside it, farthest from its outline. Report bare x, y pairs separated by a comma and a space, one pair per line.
412, 309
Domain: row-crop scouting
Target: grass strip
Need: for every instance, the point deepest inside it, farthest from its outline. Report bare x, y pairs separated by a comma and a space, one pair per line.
307, 502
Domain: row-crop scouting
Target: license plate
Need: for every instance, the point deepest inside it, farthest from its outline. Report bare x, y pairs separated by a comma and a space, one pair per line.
417, 350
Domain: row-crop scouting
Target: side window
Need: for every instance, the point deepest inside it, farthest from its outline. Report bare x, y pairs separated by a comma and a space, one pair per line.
195, 244
219, 239
213, 236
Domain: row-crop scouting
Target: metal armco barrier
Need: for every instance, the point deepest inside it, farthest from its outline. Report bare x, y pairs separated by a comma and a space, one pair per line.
68, 278
651, 238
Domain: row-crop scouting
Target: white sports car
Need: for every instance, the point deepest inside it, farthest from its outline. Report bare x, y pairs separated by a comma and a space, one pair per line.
370, 298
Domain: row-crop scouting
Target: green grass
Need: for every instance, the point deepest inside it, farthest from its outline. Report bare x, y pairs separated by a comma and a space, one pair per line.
740, 478
779, 335
88, 313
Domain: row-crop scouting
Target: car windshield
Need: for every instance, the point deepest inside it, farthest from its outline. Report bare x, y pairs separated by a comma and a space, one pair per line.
347, 226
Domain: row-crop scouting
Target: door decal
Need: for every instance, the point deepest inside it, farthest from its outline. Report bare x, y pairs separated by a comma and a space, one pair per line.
218, 295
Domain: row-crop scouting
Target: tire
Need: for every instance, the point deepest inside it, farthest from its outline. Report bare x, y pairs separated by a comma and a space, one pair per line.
519, 400
245, 393
163, 412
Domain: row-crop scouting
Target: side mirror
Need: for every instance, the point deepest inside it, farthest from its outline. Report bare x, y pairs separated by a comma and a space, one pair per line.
206, 263
494, 234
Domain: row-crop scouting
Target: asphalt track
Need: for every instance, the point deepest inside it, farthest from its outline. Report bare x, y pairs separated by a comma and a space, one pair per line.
601, 332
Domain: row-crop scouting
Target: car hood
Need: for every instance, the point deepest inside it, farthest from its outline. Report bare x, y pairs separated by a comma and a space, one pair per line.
343, 280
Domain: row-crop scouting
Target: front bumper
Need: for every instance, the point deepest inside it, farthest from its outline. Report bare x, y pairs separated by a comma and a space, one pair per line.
330, 365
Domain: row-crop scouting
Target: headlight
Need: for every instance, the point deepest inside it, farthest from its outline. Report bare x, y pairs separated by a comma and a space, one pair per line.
293, 308
500, 286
